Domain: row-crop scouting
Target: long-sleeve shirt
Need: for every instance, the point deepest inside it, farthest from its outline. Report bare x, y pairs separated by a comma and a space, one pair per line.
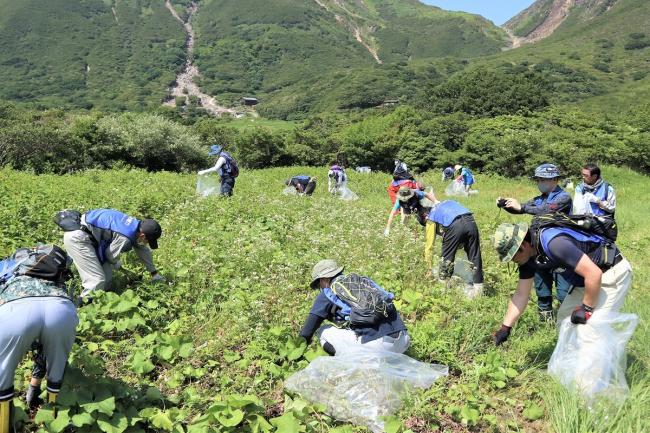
606, 205
556, 201
217, 167
119, 244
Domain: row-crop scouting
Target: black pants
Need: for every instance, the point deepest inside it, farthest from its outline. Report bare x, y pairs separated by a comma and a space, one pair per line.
462, 231
227, 185
311, 186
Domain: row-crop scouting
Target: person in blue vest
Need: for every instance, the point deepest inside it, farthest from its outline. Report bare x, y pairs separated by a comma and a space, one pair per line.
35, 312
457, 226
303, 184
410, 202
552, 199
466, 175
226, 167
599, 274
448, 173
105, 234
594, 196
389, 334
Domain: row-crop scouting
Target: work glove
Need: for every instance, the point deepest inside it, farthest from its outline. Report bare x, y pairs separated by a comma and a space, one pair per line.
591, 198
157, 278
581, 314
501, 336
386, 232
32, 397
201, 172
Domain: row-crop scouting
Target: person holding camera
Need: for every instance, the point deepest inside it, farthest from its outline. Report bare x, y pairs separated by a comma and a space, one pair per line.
552, 199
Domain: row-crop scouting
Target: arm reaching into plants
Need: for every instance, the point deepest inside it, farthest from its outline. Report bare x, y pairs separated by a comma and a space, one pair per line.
396, 208
516, 307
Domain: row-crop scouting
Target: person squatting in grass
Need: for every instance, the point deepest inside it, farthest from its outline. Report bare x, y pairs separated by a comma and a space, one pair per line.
336, 178
302, 183
448, 173
409, 202
552, 199
103, 235
594, 196
386, 333
35, 312
225, 166
457, 226
600, 275
466, 175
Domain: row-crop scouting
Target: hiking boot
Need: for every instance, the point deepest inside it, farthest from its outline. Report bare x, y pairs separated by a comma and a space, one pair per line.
547, 316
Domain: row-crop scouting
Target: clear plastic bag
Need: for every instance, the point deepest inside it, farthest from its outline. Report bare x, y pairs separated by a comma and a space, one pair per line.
290, 190
360, 385
591, 357
346, 194
456, 188
208, 185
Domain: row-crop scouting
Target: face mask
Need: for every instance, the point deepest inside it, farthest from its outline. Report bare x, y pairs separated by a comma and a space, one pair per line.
142, 242
545, 188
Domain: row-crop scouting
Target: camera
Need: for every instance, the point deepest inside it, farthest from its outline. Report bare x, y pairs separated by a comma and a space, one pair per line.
501, 203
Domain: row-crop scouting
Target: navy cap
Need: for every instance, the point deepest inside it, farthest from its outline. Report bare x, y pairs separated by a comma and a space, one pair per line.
547, 171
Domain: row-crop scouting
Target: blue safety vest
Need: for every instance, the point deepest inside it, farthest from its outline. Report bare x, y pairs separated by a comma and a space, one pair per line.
601, 193
116, 221
552, 197
468, 177
548, 234
446, 212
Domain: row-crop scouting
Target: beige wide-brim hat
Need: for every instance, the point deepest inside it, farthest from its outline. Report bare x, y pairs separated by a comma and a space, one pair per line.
508, 238
324, 269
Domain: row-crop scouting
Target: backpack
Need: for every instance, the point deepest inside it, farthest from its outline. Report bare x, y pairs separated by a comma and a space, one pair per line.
363, 302
233, 168
68, 220
47, 262
600, 225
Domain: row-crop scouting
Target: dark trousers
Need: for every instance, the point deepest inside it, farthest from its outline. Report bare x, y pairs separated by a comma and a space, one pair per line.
462, 231
544, 280
227, 185
311, 186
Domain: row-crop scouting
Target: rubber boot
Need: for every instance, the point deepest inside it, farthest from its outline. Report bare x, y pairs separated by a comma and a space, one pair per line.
5, 416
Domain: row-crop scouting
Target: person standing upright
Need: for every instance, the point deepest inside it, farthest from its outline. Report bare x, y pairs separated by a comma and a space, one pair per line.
594, 196
552, 199
226, 167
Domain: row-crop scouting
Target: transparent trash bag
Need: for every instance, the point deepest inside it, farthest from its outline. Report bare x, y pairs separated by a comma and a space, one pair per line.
346, 194
456, 188
290, 190
591, 359
208, 185
360, 385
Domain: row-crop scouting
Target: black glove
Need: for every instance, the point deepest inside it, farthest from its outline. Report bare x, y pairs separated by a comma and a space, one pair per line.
581, 314
32, 398
501, 336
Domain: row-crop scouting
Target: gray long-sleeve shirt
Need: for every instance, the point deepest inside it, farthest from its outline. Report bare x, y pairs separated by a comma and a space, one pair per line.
119, 244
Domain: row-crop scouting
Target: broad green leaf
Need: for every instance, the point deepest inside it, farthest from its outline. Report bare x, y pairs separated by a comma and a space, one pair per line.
392, 425
258, 424
286, 423
185, 350
60, 423
82, 419
166, 352
201, 427
533, 412
106, 406
44, 415
117, 424
161, 420
141, 363
230, 418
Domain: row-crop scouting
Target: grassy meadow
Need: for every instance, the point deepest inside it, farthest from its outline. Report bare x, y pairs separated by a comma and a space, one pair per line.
209, 350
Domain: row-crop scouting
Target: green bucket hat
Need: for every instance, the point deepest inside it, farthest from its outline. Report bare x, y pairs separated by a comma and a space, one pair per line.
508, 238
405, 193
324, 269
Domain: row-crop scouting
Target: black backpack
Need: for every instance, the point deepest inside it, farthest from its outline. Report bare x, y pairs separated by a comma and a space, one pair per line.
47, 262
602, 226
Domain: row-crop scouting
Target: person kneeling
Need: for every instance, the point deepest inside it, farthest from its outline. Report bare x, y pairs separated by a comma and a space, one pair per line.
362, 312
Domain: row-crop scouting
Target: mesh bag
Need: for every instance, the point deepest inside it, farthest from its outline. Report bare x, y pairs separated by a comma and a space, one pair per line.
369, 303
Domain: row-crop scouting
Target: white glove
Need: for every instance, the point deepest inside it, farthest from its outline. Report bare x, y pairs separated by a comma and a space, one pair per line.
117, 265
201, 172
386, 232
591, 198
158, 278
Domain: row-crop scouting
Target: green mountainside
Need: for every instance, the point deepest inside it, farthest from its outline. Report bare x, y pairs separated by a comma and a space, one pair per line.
111, 54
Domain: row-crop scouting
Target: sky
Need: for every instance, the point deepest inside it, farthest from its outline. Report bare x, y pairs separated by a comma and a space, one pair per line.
498, 11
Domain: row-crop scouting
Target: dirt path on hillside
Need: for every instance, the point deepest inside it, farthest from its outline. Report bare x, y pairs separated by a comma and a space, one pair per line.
185, 85
356, 30
559, 11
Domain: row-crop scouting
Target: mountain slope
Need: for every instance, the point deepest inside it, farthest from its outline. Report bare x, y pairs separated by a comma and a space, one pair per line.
112, 54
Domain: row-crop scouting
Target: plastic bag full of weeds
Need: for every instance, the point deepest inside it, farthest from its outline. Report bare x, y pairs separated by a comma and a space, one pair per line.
361, 386
591, 359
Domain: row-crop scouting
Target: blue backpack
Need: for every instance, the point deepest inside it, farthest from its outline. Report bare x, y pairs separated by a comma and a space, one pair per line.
362, 302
